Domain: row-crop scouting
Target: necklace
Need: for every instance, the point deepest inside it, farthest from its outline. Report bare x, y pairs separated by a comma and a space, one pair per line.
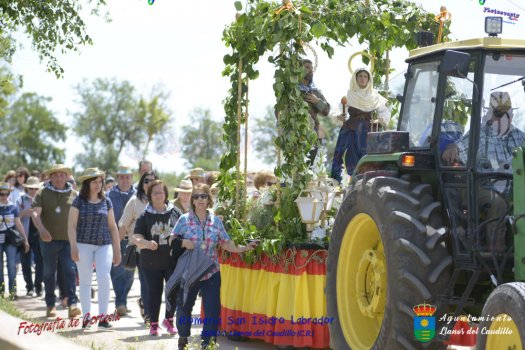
58, 210
204, 229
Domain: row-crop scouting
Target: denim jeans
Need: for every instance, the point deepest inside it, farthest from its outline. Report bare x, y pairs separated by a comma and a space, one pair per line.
211, 301
122, 279
26, 260
52, 252
10, 252
101, 255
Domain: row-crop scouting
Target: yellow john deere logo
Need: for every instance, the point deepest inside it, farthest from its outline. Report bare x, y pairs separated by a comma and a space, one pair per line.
424, 322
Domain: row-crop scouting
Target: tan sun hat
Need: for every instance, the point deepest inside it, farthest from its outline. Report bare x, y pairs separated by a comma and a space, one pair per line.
4, 186
124, 170
33, 182
90, 173
196, 173
59, 168
185, 186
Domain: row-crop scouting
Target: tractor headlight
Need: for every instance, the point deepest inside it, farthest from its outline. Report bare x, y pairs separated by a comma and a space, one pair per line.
493, 25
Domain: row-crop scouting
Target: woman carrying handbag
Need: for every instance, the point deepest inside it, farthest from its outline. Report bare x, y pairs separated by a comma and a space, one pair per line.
9, 219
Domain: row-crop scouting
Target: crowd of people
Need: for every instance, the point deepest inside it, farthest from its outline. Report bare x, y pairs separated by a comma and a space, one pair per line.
69, 233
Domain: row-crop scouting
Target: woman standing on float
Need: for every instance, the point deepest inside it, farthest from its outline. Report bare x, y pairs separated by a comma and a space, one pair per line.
363, 101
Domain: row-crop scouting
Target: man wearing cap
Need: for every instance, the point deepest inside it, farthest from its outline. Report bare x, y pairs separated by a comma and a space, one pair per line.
121, 278
197, 176
184, 196
497, 138
26, 212
51, 206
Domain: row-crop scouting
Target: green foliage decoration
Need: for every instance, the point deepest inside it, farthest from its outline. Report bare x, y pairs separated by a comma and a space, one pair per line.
280, 30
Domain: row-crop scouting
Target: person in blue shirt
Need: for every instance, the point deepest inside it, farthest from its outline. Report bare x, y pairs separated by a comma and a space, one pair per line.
93, 236
121, 278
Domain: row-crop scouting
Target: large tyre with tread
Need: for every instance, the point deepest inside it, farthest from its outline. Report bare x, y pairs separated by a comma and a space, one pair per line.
387, 254
503, 318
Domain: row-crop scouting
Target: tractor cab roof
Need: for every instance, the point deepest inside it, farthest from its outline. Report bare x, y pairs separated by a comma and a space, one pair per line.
488, 43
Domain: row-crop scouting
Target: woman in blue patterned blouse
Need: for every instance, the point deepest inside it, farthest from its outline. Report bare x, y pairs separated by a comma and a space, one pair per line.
92, 234
201, 229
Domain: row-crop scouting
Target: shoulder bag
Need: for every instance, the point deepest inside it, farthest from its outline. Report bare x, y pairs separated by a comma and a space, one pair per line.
130, 260
12, 236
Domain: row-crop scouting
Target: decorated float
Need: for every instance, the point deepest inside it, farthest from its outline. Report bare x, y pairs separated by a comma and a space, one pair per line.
276, 292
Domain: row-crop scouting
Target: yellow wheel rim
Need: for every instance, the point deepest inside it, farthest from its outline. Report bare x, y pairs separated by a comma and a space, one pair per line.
503, 334
361, 282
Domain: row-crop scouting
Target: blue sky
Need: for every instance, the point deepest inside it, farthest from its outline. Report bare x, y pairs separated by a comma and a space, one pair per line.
178, 44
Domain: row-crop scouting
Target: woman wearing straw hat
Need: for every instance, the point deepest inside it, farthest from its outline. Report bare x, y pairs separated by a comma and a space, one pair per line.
93, 235
9, 218
197, 176
24, 205
184, 196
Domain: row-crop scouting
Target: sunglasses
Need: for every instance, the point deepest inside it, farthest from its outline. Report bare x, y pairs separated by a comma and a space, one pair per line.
147, 181
201, 196
3, 194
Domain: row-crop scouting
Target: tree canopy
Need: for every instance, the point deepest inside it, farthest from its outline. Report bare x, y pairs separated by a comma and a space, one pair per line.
31, 134
201, 141
52, 25
112, 116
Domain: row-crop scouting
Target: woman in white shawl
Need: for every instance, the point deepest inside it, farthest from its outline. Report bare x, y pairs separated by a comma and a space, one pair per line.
363, 100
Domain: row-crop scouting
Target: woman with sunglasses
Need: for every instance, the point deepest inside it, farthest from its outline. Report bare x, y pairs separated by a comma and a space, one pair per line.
9, 218
201, 229
152, 232
22, 174
133, 209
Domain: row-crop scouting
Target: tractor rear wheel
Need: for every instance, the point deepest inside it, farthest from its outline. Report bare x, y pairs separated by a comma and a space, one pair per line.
503, 319
386, 255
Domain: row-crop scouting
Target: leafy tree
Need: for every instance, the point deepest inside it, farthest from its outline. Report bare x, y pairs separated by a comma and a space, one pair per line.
51, 25
331, 129
264, 134
31, 134
155, 116
107, 122
201, 142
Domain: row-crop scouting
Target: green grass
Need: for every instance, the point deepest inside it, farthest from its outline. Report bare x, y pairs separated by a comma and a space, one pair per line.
9, 307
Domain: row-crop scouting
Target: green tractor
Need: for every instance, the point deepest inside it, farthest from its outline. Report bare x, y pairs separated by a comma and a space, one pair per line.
435, 213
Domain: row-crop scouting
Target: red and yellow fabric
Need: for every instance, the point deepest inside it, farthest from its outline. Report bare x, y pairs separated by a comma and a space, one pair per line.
280, 301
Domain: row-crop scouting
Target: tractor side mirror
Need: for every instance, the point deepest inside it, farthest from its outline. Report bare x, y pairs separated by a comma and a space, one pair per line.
455, 64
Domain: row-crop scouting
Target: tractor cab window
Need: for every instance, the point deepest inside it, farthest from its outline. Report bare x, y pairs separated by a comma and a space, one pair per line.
503, 115
501, 130
420, 103
457, 112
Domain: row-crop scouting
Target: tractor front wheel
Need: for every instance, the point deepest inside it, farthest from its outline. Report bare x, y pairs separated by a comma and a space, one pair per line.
502, 323
386, 256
